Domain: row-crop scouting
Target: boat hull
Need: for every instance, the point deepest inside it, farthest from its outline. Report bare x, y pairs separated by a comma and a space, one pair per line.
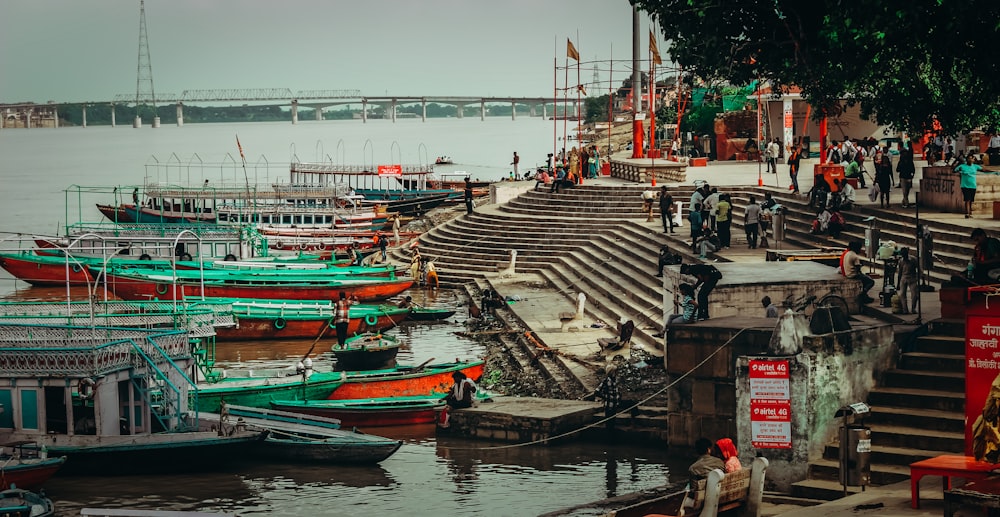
41, 274
349, 448
259, 393
383, 412
129, 288
29, 473
424, 314
253, 328
418, 382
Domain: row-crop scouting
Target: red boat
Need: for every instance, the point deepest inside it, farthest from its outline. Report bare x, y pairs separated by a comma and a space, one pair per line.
364, 413
375, 384
23, 471
36, 270
254, 325
131, 286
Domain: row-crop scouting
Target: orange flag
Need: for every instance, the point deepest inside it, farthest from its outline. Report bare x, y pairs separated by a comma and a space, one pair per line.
571, 50
240, 147
653, 49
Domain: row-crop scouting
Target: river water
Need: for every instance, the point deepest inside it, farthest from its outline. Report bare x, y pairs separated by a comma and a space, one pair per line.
428, 475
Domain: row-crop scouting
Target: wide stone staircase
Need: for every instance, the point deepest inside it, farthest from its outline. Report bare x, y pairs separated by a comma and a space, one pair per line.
917, 412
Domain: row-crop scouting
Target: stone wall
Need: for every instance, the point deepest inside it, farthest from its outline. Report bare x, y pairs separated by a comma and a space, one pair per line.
642, 171
940, 188
830, 371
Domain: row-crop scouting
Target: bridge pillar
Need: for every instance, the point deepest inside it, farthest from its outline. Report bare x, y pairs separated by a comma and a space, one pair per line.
156, 121
55, 117
482, 109
27, 119
295, 111
84, 110
513, 110
461, 109
319, 113
137, 122
423, 109
180, 114
392, 107
113, 114
364, 110
545, 109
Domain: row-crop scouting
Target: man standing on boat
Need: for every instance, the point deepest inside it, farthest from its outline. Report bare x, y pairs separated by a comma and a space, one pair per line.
343, 317
468, 190
517, 160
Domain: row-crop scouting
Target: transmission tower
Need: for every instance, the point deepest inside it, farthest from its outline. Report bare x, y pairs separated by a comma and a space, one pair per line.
596, 81
145, 97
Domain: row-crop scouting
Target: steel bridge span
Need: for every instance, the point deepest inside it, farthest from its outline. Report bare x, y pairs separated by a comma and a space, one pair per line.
318, 100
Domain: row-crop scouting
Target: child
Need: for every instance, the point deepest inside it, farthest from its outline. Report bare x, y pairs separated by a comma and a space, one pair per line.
689, 309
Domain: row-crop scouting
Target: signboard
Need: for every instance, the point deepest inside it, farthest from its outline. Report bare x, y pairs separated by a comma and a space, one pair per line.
788, 133
982, 364
770, 404
395, 171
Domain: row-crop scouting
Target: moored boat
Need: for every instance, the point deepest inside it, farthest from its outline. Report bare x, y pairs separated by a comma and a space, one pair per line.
292, 319
23, 467
369, 351
371, 412
17, 502
430, 314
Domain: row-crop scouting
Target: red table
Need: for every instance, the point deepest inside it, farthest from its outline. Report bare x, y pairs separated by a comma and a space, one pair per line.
946, 466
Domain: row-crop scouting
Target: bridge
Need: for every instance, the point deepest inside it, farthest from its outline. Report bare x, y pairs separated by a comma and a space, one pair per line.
29, 114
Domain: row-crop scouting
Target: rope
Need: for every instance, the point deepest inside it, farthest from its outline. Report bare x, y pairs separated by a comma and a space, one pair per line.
605, 419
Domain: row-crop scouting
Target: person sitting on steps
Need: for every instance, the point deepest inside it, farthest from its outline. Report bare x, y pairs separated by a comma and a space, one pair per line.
852, 269
688, 313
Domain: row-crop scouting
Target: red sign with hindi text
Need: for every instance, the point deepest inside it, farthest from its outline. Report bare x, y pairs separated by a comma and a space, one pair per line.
390, 170
982, 364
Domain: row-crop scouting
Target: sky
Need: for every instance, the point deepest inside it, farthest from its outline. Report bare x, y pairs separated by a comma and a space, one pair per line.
79, 51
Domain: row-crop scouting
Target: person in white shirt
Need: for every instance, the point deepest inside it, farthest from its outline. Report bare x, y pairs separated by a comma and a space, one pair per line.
773, 151
847, 195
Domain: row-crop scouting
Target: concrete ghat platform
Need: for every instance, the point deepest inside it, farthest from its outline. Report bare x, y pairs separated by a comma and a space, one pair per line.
523, 419
743, 285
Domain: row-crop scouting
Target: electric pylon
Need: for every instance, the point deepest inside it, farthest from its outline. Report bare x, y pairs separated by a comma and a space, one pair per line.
145, 96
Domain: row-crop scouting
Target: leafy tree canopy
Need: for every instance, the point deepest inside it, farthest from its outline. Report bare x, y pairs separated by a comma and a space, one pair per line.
908, 63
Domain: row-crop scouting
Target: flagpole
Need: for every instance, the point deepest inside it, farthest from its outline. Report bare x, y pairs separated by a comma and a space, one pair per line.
565, 100
578, 110
652, 105
611, 100
555, 111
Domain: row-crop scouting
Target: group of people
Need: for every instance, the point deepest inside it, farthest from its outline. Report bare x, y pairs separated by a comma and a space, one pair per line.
853, 154
423, 271
693, 307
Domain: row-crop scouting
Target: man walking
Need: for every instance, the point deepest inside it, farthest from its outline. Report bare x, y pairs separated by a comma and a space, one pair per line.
517, 160
773, 150
468, 194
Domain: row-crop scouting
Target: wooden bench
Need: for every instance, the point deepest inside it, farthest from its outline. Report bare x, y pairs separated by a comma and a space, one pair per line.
719, 492
947, 466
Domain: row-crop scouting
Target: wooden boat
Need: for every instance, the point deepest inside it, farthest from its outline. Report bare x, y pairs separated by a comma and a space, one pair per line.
23, 467
302, 438
131, 285
16, 502
429, 314
410, 203
115, 214
372, 412
366, 352
258, 387
209, 241
250, 274
279, 319
443, 160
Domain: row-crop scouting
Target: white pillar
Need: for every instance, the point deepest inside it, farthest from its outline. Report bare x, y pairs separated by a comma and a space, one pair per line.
482, 109
113, 115
364, 110
156, 121
319, 113
55, 120
423, 106
545, 111
461, 110
180, 114
392, 107
513, 110
581, 301
84, 115
295, 111
137, 122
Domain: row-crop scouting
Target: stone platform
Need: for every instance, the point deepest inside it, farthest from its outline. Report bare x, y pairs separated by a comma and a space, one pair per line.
940, 188
523, 419
642, 170
743, 285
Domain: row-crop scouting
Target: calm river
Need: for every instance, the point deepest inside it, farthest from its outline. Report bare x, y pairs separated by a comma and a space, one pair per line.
427, 475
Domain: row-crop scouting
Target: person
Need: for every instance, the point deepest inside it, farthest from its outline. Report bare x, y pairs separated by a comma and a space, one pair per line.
707, 242
711, 205
468, 195
548, 162
517, 160
836, 224
648, 197
773, 150
729, 455
135, 197
342, 318
608, 392
766, 212
847, 196
697, 198
666, 258
751, 222
724, 221
993, 151
689, 309
694, 218
667, 210
906, 170
460, 396
406, 303
708, 277
592, 162
706, 462
770, 309
907, 281
852, 263
415, 260
822, 223
395, 229
968, 172
560, 178
819, 192
794, 158
358, 258
706, 210
431, 275
985, 258
542, 178
383, 246
883, 177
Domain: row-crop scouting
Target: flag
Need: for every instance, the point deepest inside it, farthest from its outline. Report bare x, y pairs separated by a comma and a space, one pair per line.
240, 147
571, 50
582, 89
653, 49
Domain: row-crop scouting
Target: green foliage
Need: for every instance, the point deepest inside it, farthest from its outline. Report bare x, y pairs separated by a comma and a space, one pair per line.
596, 108
701, 120
910, 63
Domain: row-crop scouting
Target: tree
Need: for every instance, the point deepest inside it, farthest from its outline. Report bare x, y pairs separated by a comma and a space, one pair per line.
913, 64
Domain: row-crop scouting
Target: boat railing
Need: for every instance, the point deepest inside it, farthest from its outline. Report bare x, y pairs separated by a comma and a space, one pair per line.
34, 350
160, 391
149, 230
364, 170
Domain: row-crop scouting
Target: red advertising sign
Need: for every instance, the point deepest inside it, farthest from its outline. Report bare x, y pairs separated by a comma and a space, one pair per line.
788, 118
770, 404
982, 364
390, 170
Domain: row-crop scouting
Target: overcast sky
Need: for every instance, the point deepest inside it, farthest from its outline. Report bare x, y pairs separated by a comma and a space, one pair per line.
75, 50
